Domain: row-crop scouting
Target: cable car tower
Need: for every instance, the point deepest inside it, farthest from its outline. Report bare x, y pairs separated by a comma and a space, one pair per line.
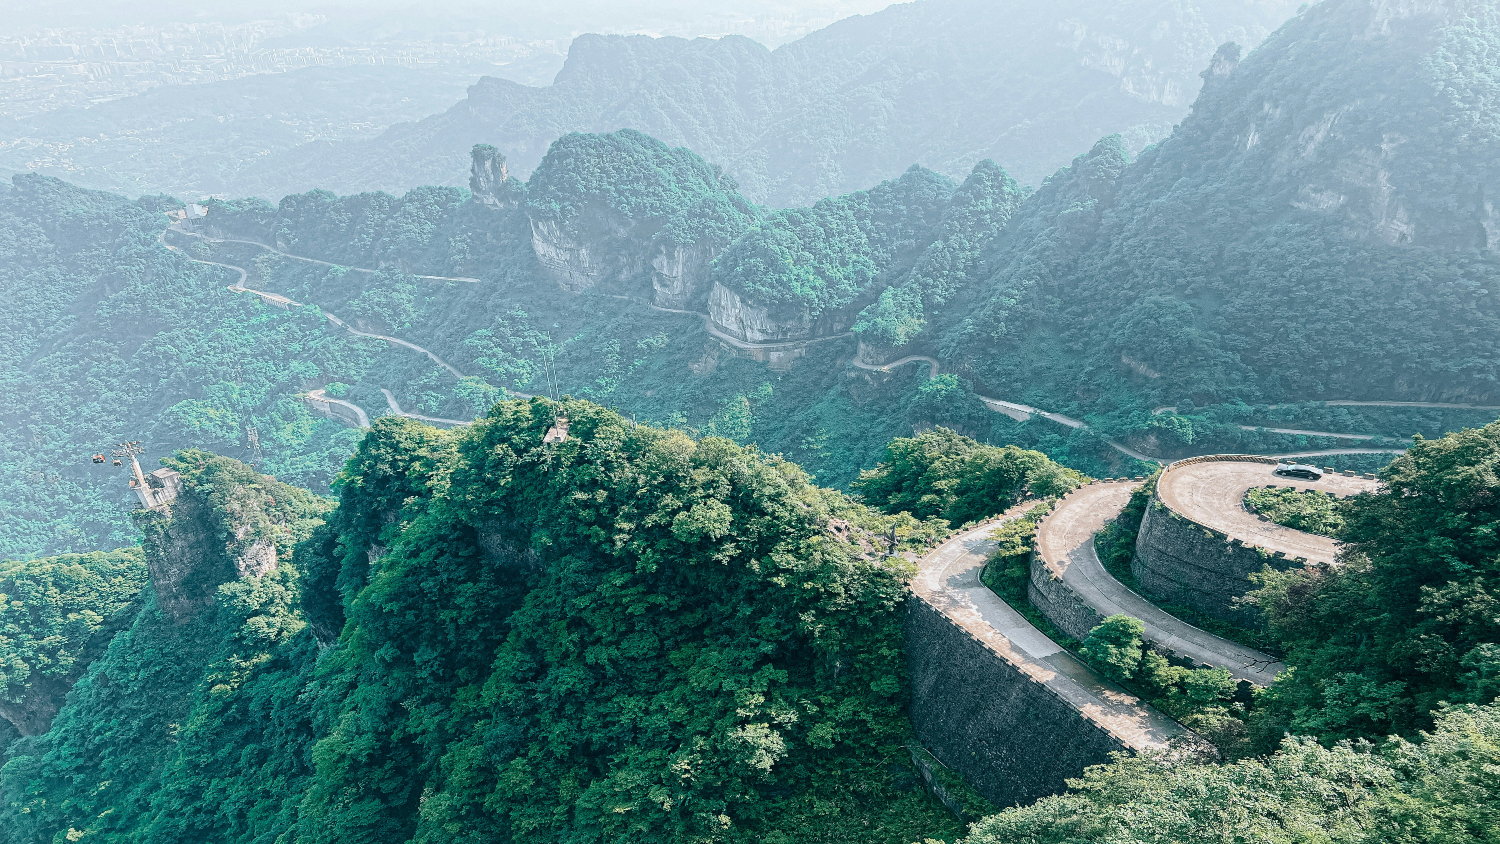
559, 430
129, 451
167, 483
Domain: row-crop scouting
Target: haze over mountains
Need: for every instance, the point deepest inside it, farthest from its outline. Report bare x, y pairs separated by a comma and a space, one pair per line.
942, 83
635, 605
1200, 273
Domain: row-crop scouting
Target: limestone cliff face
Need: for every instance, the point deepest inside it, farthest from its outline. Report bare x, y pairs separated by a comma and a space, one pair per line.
45, 694
679, 274
489, 179
185, 557
604, 250
1376, 125
228, 523
752, 322
572, 261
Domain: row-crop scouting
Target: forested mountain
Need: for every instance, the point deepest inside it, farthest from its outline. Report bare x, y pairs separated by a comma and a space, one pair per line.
1321, 226
192, 141
941, 83
495, 638
1199, 275
637, 635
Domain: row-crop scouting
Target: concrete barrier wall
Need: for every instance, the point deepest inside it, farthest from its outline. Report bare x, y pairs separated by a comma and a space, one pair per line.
1004, 732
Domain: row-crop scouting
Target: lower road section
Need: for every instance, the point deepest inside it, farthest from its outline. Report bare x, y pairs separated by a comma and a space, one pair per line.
998, 701
1075, 592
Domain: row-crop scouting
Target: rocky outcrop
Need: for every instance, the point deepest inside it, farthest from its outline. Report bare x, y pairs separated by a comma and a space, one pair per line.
503, 551
606, 251
184, 556
569, 259
32, 713
225, 529
679, 275
748, 320
489, 179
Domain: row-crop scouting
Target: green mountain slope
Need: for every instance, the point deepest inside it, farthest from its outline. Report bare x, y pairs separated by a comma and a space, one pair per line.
631, 634
1320, 227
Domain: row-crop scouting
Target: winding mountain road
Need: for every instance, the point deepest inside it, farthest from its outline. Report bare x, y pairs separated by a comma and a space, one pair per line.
390, 400
319, 395
948, 580
1065, 541
1212, 493
1015, 410
932, 365
270, 248
362, 419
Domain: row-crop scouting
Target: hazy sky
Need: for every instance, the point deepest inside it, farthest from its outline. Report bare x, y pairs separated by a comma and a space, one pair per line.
385, 18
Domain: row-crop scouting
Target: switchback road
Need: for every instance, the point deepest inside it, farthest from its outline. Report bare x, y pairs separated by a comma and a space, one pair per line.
1212, 493
270, 248
948, 579
1066, 543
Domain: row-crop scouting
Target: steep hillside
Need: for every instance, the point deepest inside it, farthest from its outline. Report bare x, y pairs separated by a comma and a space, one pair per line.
941, 83
636, 635
1320, 227
586, 640
113, 338
1198, 277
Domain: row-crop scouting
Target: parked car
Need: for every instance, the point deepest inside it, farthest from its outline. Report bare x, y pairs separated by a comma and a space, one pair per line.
1298, 470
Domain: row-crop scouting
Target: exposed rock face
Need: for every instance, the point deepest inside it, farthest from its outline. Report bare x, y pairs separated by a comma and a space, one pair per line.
679, 274
753, 322
1348, 125
192, 547
257, 560
46, 693
599, 249
570, 260
185, 558
489, 179
34, 713
503, 551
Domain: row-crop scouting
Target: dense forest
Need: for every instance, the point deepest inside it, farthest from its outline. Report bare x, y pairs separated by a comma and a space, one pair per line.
1247, 257
637, 634
646, 578
632, 634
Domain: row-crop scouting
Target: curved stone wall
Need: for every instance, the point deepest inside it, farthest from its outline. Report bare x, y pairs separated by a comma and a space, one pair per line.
1059, 603
1189, 564
1005, 732
997, 701
1204, 561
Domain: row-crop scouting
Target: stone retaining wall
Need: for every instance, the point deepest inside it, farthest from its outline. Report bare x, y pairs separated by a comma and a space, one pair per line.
1058, 603
1182, 561
1008, 735
1051, 595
